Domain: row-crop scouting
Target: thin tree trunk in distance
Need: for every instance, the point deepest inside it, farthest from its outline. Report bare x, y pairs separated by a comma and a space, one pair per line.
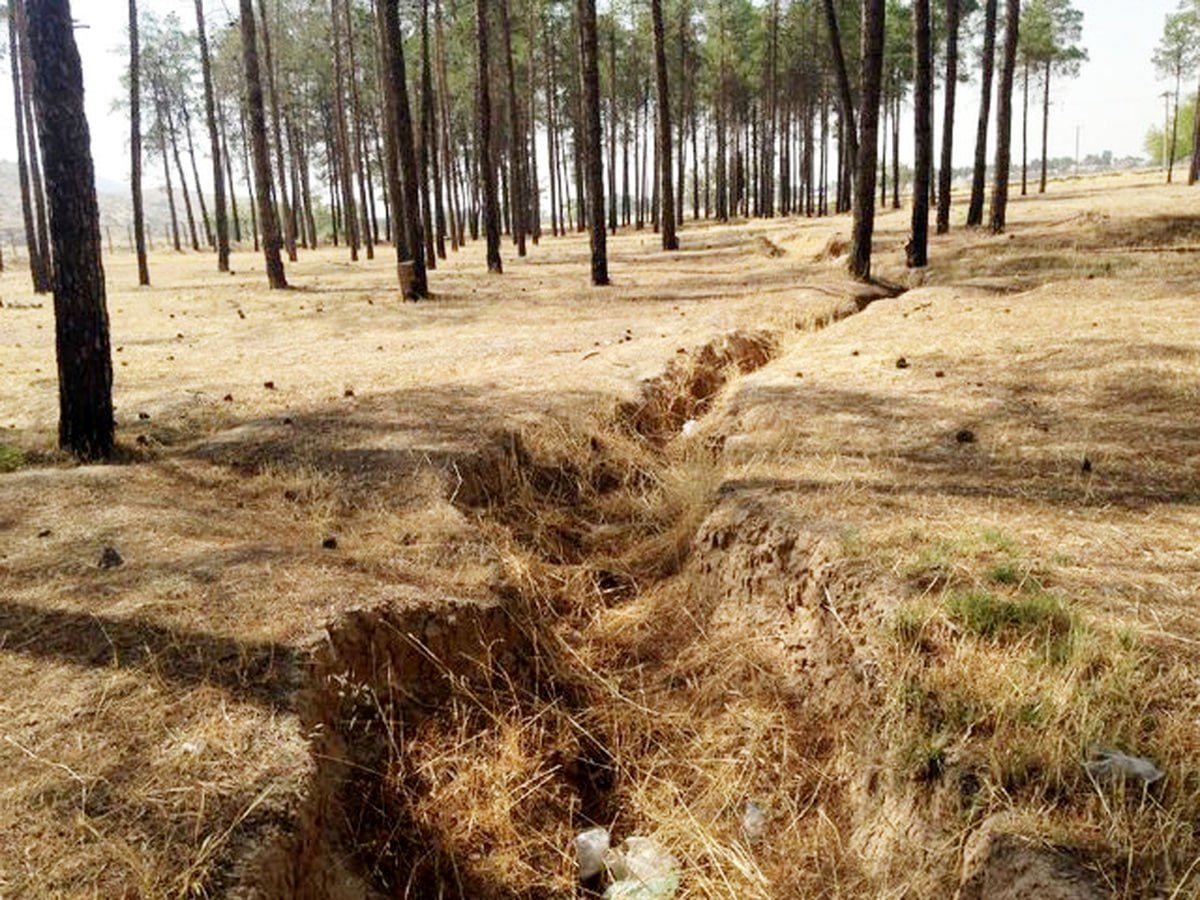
210, 111
667, 191
516, 142
979, 175
1012, 25
1046, 128
271, 242
946, 172
845, 96
31, 242
135, 145
85, 426
594, 137
43, 274
285, 209
487, 171
864, 193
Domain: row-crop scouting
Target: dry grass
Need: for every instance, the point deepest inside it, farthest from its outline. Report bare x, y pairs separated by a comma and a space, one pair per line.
822, 602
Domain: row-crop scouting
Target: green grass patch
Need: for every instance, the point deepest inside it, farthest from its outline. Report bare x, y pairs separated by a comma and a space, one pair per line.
1004, 573
991, 615
11, 458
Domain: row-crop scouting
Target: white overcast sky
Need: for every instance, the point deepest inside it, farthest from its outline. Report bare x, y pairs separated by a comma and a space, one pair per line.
1114, 100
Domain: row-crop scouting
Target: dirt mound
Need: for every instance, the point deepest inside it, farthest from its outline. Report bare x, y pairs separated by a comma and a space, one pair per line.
835, 246
999, 865
772, 575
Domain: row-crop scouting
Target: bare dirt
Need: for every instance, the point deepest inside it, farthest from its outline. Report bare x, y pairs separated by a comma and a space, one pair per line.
456, 584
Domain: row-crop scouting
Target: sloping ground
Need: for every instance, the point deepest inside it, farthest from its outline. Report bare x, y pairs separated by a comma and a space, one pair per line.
892, 608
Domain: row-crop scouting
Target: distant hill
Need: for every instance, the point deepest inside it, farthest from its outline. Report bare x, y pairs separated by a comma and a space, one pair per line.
116, 209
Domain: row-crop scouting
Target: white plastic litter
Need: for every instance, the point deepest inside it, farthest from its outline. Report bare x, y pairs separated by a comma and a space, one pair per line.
1114, 766
590, 848
641, 870
690, 427
754, 822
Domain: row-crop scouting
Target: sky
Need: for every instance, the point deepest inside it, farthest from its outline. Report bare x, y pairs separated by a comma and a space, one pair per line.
1113, 102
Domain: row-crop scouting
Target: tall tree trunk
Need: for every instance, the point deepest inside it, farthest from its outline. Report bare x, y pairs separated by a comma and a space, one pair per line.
342, 135
487, 170
1012, 24
85, 426
946, 171
667, 191
534, 192
516, 160
135, 145
594, 137
165, 111
406, 153
43, 274
225, 154
1194, 166
456, 209
210, 111
31, 241
979, 176
357, 149
285, 209
1046, 125
1025, 129
873, 13
191, 148
612, 126
1174, 129
246, 167
845, 97
271, 242
429, 143
162, 147
918, 248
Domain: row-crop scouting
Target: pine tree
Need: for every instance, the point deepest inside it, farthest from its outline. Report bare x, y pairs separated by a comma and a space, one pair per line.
81, 318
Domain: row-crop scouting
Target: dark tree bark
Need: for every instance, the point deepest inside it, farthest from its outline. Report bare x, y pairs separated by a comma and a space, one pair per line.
448, 161
135, 145
979, 176
516, 142
1025, 129
210, 111
845, 96
31, 241
487, 170
667, 191
1194, 166
43, 273
357, 148
342, 135
85, 425
271, 242
1012, 26
429, 146
874, 12
918, 247
594, 137
946, 172
406, 153
285, 209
